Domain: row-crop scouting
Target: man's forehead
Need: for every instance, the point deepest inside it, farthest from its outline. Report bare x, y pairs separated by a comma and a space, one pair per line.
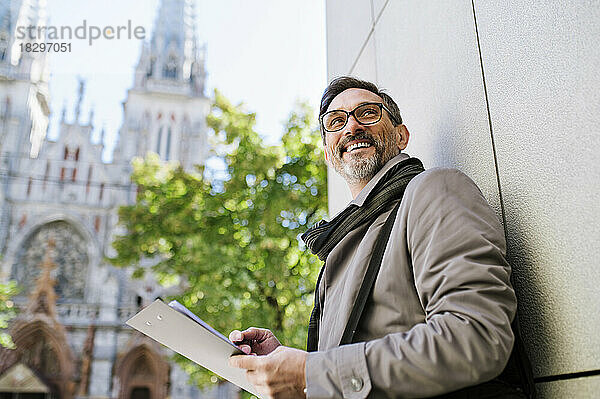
350, 98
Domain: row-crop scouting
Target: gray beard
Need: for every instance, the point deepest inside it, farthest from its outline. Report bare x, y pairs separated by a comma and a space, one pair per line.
361, 169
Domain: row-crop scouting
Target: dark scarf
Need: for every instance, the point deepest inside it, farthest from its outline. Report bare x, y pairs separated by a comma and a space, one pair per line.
322, 237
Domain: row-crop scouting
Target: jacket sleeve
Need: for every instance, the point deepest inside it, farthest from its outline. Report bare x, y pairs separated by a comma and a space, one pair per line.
457, 248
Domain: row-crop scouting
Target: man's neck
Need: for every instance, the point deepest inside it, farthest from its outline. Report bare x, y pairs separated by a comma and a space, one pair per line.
365, 186
356, 188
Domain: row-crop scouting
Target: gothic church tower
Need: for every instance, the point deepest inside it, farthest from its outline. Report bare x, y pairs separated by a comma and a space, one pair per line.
58, 213
165, 111
23, 78
24, 98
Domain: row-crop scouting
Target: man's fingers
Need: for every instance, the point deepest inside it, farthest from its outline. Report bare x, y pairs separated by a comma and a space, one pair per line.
254, 333
245, 348
235, 335
239, 336
250, 334
247, 362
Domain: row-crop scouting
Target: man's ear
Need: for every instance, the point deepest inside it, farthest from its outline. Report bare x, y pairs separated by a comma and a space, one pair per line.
327, 160
402, 136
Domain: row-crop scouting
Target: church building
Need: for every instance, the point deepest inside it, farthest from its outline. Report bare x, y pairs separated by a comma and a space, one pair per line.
58, 216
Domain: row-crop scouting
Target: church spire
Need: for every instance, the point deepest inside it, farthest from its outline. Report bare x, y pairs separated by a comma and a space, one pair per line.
6, 23
15, 13
80, 93
172, 60
91, 117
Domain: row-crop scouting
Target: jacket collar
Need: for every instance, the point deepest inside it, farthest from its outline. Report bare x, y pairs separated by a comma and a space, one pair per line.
364, 193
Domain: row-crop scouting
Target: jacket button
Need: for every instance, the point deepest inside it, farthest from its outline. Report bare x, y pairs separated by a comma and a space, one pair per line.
357, 383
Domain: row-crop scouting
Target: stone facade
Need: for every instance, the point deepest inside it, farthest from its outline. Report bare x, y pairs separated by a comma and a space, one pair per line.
58, 207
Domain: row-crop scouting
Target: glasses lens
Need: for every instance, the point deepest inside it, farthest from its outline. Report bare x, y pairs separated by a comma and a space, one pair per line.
334, 120
368, 113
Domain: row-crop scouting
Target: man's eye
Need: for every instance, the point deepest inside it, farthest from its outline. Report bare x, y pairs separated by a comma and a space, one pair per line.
368, 112
336, 122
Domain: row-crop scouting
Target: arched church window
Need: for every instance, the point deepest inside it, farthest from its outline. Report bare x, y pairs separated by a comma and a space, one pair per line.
159, 140
151, 67
168, 151
192, 70
66, 153
70, 258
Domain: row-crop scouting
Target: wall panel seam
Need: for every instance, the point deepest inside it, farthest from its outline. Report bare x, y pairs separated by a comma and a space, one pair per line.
489, 116
374, 42
371, 31
568, 376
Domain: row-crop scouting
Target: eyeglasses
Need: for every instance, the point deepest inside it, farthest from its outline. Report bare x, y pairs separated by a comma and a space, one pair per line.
365, 114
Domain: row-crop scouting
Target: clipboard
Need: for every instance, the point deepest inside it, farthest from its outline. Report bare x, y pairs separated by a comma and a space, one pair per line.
180, 330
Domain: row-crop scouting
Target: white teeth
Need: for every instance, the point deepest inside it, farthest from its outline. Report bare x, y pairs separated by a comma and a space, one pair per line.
357, 145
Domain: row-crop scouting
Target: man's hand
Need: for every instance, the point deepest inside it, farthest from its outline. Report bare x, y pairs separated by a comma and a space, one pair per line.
277, 375
256, 341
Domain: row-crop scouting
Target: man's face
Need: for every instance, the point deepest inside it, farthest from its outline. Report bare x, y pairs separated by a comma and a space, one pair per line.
379, 142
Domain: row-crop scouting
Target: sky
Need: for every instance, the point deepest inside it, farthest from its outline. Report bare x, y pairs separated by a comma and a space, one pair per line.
268, 54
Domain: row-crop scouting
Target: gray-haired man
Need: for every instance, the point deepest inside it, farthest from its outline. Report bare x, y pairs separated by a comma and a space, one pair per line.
414, 299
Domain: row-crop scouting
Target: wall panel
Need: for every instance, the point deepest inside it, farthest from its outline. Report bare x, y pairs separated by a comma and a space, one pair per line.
580, 388
348, 27
427, 57
541, 61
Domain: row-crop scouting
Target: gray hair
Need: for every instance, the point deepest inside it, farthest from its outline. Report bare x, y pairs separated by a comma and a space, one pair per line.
343, 83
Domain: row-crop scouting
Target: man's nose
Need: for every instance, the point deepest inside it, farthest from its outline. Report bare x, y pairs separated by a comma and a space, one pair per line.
352, 125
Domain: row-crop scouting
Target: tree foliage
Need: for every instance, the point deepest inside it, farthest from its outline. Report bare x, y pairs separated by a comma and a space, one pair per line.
234, 240
7, 312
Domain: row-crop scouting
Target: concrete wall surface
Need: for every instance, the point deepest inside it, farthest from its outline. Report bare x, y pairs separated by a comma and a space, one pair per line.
507, 92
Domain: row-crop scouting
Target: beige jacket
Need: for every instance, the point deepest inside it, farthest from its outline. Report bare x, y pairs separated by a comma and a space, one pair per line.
441, 307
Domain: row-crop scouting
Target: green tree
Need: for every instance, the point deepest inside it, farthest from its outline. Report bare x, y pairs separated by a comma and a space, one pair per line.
234, 239
7, 311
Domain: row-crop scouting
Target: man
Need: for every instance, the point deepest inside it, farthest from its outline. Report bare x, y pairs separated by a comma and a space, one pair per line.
437, 318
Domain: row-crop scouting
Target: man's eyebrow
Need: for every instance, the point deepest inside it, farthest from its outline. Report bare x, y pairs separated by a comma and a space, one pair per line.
357, 105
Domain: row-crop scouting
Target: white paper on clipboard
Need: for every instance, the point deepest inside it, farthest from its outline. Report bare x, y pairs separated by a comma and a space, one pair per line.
193, 339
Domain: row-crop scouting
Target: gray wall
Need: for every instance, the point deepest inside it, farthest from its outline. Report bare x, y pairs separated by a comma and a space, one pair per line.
532, 143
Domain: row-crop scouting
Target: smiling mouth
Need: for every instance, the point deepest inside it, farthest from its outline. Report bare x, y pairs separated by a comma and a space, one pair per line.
356, 146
